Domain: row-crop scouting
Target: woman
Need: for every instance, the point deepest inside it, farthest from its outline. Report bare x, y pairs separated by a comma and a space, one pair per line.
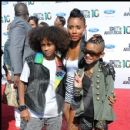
76, 26
33, 21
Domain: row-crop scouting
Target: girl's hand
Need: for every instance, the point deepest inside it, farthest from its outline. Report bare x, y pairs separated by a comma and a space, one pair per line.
78, 80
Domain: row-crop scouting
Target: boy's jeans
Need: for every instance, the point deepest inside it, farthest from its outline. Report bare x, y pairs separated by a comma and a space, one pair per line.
53, 123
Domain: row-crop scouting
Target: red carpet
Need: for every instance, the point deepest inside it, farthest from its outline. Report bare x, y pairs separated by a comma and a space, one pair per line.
122, 110
121, 107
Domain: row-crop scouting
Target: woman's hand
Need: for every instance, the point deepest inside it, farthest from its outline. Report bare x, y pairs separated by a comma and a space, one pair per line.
112, 100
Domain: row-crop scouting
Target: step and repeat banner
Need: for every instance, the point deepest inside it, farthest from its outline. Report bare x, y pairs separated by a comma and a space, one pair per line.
110, 19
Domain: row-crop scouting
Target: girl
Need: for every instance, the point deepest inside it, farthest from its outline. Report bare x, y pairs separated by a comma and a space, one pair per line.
41, 102
94, 84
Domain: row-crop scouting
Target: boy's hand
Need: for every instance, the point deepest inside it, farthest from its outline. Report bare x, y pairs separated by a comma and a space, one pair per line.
25, 115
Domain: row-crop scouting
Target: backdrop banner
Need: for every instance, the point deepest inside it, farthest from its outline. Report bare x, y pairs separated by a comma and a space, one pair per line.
110, 19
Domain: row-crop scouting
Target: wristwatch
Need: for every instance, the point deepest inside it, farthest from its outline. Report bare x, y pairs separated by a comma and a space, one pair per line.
22, 107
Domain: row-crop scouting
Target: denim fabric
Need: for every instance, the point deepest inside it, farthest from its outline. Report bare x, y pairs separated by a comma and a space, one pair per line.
53, 123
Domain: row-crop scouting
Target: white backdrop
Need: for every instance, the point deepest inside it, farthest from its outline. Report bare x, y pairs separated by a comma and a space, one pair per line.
110, 19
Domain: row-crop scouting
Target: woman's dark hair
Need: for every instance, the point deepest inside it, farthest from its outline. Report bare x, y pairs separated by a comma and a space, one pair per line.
76, 13
34, 18
42, 24
54, 34
62, 20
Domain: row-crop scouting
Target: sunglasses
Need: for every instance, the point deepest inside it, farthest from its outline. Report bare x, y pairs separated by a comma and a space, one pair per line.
91, 53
